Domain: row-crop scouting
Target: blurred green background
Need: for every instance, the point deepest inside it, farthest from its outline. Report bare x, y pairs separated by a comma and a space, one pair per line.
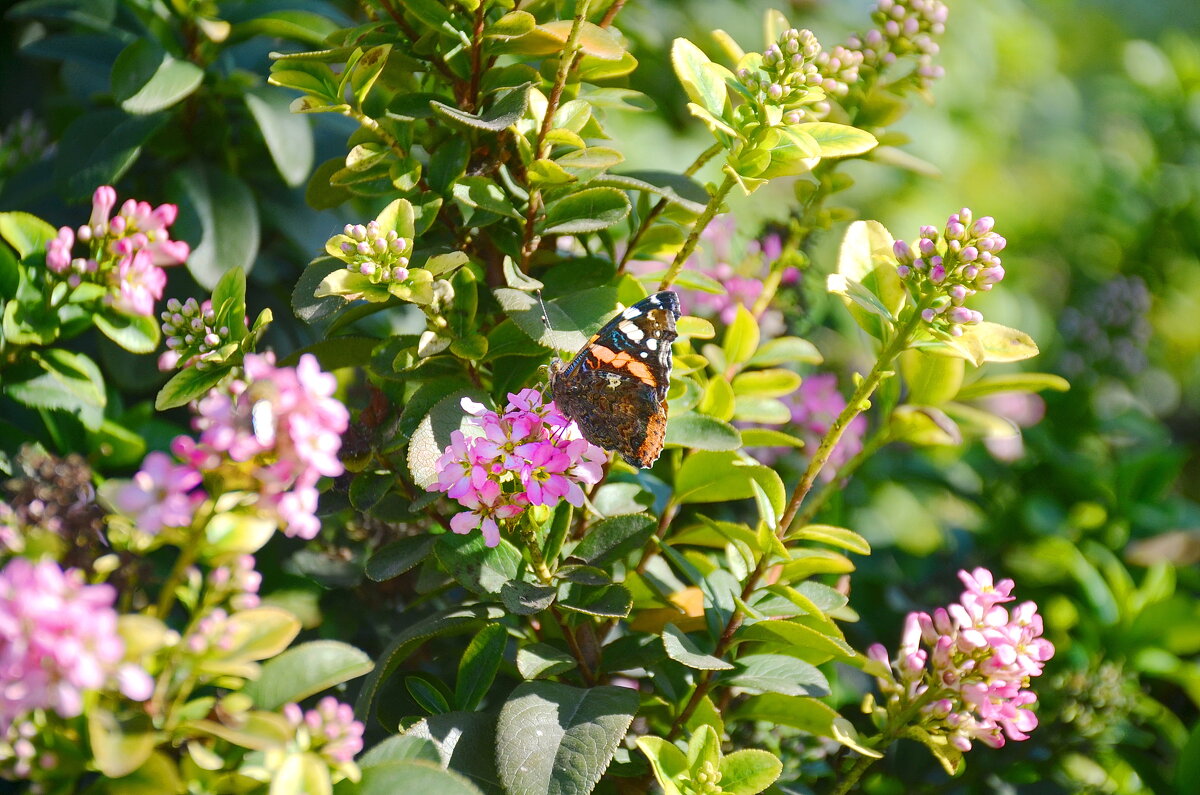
1076, 124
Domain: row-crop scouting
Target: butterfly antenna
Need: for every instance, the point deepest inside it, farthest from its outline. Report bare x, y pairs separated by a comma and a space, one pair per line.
546, 323
545, 315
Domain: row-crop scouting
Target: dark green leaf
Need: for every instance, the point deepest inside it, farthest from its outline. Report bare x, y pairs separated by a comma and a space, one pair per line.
609, 601
701, 432
137, 334
219, 210
777, 673
146, 79
288, 135
585, 211
613, 539
681, 649
506, 111
432, 434
187, 385
429, 693
556, 739
478, 666
98, 148
525, 598
416, 775
540, 660
466, 743
59, 379
398, 557
475, 565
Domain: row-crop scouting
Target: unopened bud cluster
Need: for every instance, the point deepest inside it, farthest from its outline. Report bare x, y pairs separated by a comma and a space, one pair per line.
948, 267
904, 28
788, 73
192, 334
330, 729
839, 69
380, 256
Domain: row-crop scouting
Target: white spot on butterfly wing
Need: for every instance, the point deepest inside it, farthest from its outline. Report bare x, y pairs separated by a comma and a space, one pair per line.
631, 331
652, 344
631, 313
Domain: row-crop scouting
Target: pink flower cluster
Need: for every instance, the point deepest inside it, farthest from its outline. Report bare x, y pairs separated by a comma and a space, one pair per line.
968, 665
529, 455
278, 428
949, 266
331, 729
126, 252
58, 639
285, 423
815, 405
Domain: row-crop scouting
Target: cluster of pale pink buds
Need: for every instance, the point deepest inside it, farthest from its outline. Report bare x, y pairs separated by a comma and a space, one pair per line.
213, 632
788, 70
904, 28
949, 267
839, 69
330, 729
381, 257
192, 334
238, 582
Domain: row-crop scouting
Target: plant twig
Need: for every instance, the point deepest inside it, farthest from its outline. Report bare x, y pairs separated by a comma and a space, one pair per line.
689, 245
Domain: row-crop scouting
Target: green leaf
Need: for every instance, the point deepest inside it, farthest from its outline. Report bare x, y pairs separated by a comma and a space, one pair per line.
572, 317
766, 383
156, 776
556, 739
992, 342
932, 379
25, 232
432, 434
666, 760
701, 432
484, 194
429, 693
806, 714
136, 334
587, 210
507, 110
301, 772
793, 638
146, 79
703, 86
866, 257
98, 148
540, 660
55, 378
785, 350
411, 638
413, 775
719, 477
288, 135
704, 750
120, 745
769, 437
796, 153
741, 338
1012, 382
466, 743
525, 598
777, 673
607, 601
682, 649
219, 210
838, 140
478, 567
260, 632
367, 70
612, 539
478, 666
510, 26
394, 559
187, 385
550, 38
834, 536
400, 748
306, 670
749, 771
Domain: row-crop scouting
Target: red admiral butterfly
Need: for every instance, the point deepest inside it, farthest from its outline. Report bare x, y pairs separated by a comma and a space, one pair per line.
616, 386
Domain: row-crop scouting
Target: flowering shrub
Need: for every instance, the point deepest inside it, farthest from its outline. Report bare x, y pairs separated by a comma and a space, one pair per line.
358, 548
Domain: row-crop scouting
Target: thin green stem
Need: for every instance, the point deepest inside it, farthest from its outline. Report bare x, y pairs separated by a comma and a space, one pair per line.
535, 553
814, 505
566, 62
710, 212
187, 556
657, 210
847, 782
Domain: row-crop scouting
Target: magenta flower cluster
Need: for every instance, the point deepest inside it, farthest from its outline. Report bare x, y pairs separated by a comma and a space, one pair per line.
528, 455
330, 729
945, 268
276, 431
193, 337
58, 640
125, 252
968, 666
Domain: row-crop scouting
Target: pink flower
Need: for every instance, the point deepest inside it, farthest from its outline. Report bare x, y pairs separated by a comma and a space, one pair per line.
58, 250
58, 640
160, 495
286, 423
529, 455
139, 283
330, 729
981, 658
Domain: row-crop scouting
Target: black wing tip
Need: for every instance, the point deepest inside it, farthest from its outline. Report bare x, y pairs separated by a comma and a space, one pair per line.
667, 299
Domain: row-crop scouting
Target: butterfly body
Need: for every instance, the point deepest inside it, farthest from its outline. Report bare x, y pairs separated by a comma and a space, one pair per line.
615, 388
